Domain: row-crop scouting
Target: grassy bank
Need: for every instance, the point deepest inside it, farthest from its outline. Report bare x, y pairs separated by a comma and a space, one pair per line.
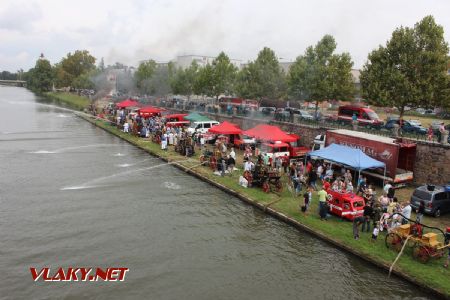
431, 275
68, 99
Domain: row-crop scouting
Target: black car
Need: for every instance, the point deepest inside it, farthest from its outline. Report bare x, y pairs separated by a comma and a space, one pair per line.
408, 126
436, 199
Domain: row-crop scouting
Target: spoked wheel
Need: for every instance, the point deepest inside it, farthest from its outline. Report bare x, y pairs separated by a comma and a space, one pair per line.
266, 187
421, 253
394, 241
279, 186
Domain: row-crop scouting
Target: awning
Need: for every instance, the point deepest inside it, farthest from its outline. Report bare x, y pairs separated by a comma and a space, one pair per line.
149, 110
269, 133
348, 156
225, 128
127, 103
195, 117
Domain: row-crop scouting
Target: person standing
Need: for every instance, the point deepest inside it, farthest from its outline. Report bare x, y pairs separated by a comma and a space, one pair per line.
312, 178
368, 213
430, 133
306, 200
420, 212
356, 223
447, 241
249, 165
278, 164
322, 203
406, 212
233, 154
441, 132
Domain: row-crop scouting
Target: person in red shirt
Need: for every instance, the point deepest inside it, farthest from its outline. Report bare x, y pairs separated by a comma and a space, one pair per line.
326, 185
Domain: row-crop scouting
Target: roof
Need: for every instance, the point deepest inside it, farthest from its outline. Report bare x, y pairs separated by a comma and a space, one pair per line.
127, 103
348, 156
225, 128
195, 117
149, 110
363, 135
269, 133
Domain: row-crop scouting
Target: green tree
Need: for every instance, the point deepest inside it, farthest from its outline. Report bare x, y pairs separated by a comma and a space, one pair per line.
183, 80
223, 76
203, 82
143, 74
72, 66
262, 78
40, 78
84, 81
320, 74
410, 70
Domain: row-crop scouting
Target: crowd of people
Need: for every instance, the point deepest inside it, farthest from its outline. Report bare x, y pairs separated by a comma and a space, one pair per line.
381, 213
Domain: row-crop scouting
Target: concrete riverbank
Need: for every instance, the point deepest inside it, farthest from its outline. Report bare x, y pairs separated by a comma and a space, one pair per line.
431, 277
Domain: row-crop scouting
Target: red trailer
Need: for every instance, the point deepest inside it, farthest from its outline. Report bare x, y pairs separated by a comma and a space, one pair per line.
399, 155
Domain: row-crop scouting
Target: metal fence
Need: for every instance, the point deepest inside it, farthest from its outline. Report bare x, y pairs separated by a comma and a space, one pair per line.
324, 123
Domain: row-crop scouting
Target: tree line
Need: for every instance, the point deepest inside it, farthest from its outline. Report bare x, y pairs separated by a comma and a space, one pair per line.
411, 69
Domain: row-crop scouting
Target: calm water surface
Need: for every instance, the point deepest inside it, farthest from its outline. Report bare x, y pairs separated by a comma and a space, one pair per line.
74, 195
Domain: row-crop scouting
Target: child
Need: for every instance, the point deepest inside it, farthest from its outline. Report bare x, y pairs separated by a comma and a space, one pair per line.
375, 232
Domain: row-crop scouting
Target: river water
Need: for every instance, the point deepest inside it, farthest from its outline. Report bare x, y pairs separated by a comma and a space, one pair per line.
74, 195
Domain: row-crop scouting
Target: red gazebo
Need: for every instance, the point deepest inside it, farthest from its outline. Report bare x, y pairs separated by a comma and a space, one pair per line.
225, 128
149, 111
266, 132
127, 103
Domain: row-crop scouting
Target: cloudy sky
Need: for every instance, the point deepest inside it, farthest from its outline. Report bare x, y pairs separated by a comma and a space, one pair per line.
128, 31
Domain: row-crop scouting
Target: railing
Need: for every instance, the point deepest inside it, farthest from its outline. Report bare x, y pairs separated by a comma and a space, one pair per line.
324, 123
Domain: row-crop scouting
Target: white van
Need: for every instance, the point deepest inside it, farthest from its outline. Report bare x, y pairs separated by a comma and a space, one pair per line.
201, 126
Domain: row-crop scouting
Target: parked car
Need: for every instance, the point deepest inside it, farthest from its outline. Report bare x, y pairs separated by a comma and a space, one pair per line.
201, 126
267, 110
410, 126
304, 115
436, 199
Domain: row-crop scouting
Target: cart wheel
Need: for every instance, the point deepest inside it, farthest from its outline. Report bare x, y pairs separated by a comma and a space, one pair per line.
266, 187
421, 253
394, 241
279, 186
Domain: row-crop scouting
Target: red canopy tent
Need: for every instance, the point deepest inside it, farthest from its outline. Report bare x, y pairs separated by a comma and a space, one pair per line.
127, 103
269, 133
149, 111
225, 128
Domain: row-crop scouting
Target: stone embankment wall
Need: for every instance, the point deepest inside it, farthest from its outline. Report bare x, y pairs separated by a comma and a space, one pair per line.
432, 159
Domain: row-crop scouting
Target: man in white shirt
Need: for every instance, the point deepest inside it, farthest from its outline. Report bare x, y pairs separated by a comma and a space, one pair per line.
386, 188
249, 165
233, 154
406, 212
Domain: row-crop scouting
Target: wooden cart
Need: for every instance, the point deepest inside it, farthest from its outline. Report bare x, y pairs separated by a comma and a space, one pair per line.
424, 246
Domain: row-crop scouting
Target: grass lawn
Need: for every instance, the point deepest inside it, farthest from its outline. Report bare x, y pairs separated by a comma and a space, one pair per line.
431, 274
72, 100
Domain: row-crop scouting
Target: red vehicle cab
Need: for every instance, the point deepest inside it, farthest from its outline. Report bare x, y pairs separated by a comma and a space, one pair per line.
345, 205
295, 150
176, 120
365, 116
277, 149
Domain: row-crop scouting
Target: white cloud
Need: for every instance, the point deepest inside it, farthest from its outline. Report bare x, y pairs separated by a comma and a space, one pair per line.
129, 31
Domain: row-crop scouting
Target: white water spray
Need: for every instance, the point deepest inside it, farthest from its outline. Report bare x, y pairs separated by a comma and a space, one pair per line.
61, 150
91, 183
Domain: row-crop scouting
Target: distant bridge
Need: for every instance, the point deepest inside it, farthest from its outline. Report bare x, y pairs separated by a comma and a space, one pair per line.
20, 83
